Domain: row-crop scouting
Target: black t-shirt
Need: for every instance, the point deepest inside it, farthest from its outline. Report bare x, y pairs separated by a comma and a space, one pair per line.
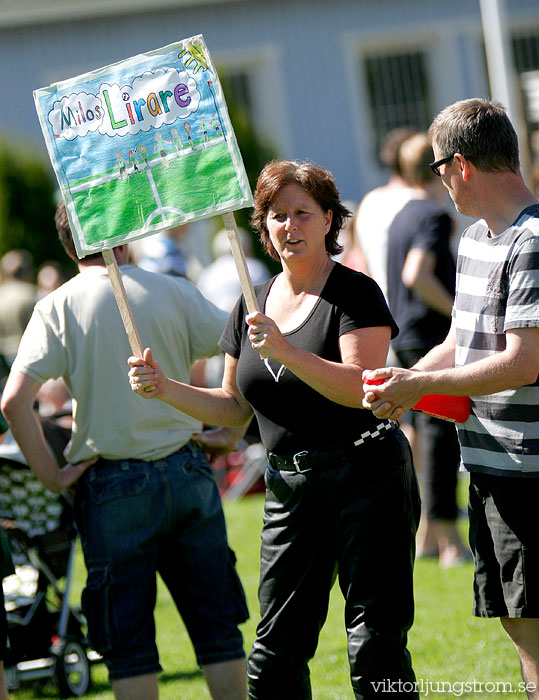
420, 224
291, 415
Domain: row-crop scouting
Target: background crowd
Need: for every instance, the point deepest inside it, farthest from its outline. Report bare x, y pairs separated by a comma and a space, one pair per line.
403, 236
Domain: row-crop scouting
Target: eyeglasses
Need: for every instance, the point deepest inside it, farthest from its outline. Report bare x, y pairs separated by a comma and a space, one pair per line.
435, 167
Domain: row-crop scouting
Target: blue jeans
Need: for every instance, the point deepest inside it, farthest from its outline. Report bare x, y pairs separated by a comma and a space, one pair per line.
137, 518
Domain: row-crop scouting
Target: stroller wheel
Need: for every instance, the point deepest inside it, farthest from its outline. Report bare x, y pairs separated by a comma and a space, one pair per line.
72, 669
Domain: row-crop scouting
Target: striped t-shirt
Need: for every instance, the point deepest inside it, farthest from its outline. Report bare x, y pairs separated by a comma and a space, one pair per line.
498, 290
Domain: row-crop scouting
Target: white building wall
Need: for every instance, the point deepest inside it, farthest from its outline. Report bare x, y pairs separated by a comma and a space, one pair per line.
303, 57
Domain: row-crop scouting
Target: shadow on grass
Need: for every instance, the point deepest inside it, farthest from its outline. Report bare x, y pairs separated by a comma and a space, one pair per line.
195, 674
48, 690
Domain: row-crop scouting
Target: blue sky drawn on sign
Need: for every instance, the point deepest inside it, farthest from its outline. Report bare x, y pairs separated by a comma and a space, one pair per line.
94, 148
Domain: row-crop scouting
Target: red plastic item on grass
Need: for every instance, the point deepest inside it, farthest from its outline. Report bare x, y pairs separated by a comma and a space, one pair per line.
452, 408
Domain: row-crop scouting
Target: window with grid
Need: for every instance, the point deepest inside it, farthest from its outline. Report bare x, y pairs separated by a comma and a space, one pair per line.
526, 52
526, 57
237, 90
398, 89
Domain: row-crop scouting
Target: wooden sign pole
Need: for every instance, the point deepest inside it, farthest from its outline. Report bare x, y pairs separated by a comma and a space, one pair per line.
241, 264
123, 303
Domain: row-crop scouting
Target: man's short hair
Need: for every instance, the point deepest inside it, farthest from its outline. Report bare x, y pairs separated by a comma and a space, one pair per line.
415, 157
64, 233
481, 131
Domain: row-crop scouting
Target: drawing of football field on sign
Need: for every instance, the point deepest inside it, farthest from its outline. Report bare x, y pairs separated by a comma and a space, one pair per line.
142, 145
151, 197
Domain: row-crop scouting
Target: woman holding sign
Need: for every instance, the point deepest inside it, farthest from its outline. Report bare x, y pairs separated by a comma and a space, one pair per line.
341, 493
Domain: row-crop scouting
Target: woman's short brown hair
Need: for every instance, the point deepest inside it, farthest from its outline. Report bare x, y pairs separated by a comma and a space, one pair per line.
313, 179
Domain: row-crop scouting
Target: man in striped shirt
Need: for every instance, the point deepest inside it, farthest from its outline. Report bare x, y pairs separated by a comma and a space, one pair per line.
491, 354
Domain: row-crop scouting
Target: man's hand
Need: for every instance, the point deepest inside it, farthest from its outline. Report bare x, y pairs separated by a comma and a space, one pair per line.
71, 473
399, 391
18, 407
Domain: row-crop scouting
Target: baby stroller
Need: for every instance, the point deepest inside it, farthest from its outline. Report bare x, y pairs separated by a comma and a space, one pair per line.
46, 634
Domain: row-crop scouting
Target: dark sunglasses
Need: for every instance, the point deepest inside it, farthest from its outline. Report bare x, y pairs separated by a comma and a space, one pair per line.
435, 167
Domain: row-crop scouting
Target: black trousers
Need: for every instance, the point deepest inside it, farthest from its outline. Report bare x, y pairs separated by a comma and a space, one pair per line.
357, 519
440, 456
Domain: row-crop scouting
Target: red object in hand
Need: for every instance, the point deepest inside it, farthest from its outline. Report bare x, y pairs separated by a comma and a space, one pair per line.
375, 381
452, 408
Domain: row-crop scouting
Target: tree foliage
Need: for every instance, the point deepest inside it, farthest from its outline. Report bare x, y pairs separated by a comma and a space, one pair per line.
255, 153
27, 204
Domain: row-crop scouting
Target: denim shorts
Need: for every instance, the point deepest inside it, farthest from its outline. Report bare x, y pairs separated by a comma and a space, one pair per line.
136, 518
504, 539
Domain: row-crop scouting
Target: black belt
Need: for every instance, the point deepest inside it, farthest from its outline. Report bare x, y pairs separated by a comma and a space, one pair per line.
104, 462
306, 460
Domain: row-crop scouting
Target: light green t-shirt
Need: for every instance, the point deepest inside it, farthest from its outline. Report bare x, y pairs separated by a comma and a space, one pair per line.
77, 333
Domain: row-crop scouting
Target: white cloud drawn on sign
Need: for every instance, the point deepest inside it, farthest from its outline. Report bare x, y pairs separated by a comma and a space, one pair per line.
154, 99
76, 114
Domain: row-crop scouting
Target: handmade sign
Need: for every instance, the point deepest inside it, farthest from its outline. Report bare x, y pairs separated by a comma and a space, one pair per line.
142, 145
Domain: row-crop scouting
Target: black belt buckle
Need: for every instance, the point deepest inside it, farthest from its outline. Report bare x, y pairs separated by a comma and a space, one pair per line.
295, 460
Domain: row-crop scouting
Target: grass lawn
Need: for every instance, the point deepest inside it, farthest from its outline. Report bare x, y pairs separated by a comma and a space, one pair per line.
448, 645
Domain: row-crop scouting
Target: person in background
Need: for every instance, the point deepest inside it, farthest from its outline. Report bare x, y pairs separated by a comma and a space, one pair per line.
491, 353
219, 281
378, 207
373, 219
351, 255
146, 501
50, 276
420, 290
17, 299
341, 497
162, 253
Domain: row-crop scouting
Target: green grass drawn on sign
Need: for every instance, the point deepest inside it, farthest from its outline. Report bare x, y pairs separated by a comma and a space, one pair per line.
189, 184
